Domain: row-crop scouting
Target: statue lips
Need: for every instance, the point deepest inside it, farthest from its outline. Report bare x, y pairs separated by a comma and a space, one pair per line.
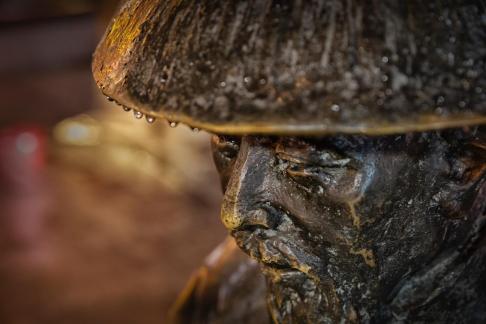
276, 243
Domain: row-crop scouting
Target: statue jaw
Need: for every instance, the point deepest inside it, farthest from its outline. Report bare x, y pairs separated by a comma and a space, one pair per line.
295, 289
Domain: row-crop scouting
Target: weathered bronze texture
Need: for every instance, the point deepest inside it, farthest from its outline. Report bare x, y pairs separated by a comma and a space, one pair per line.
299, 67
355, 229
353, 156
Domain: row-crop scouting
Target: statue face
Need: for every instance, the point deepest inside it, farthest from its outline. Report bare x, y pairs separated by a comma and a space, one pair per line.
337, 222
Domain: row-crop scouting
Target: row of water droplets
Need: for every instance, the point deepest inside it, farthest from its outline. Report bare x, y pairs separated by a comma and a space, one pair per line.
150, 119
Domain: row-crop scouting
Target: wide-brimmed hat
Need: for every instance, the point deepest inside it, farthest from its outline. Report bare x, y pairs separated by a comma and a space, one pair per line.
299, 67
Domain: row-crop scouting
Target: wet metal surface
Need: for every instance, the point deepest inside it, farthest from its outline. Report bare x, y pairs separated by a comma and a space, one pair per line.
299, 67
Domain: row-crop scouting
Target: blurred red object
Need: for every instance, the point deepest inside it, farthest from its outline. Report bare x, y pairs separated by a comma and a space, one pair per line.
22, 192
22, 157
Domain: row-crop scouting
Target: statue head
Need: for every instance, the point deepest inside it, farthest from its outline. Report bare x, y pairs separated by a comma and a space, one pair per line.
341, 224
350, 147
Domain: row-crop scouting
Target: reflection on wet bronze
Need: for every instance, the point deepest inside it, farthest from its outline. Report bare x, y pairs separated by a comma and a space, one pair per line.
350, 145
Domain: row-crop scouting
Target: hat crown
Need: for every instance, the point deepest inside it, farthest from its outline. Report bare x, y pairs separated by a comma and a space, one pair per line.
299, 67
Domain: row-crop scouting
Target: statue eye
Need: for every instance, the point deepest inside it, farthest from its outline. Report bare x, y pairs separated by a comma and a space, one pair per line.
313, 178
318, 171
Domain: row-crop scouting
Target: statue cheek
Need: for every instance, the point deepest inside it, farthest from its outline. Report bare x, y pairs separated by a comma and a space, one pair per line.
347, 186
323, 220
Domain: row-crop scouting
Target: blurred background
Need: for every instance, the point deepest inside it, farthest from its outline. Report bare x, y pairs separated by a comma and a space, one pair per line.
102, 217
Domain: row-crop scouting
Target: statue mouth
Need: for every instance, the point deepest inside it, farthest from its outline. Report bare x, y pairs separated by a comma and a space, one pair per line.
266, 246
280, 246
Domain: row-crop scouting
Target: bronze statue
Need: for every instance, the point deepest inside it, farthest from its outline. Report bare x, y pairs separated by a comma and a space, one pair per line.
349, 143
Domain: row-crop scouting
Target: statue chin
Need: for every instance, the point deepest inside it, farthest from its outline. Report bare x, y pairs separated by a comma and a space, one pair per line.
297, 289
295, 297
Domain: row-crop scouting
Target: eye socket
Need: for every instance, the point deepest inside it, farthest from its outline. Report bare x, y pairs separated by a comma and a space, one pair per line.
316, 170
313, 179
301, 152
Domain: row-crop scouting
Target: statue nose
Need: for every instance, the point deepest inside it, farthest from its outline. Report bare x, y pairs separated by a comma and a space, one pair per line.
248, 187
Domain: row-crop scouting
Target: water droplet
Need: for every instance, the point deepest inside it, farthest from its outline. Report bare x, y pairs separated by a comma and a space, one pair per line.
164, 77
335, 108
385, 59
210, 65
469, 62
450, 58
150, 119
195, 129
247, 79
137, 114
126, 108
440, 100
384, 78
222, 84
263, 81
173, 124
462, 104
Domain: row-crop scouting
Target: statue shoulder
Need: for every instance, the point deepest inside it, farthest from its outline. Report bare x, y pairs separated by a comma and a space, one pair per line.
228, 288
